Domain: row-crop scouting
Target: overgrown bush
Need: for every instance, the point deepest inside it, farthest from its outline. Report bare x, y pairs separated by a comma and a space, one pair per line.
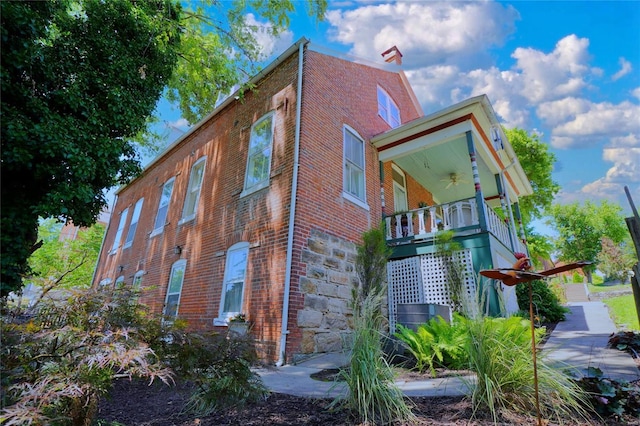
219, 366
436, 343
57, 375
546, 304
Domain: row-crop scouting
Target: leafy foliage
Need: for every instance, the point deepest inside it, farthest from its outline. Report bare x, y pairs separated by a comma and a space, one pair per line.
609, 397
537, 162
436, 342
616, 260
628, 341
581, 228
219, 365
66, 116
65, 263
56, 375
371, 264
546, 305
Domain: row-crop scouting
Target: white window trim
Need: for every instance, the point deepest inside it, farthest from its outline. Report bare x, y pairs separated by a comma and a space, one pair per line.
192, 216
119, 281
160, 229
223, 317
135, 218
105, 282
118, 238
265, 183
388, 100
347, 195
137, 275
178, 264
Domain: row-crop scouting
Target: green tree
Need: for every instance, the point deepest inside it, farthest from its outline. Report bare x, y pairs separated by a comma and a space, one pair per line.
616, 260
581, 229
65, 263
537, 162
80, 81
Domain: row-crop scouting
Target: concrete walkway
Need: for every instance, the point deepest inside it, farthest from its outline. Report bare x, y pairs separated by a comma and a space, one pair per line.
575, 344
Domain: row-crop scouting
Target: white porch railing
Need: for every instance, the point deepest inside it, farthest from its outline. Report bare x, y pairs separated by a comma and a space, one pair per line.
426, 221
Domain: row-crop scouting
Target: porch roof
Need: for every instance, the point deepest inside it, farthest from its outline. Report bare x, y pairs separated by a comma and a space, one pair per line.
434, 147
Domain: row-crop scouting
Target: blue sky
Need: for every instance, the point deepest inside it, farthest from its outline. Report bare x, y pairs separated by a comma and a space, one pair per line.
568, 70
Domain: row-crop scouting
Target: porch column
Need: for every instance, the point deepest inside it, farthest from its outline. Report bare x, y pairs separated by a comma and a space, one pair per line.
523, 236
506, 209
482, 208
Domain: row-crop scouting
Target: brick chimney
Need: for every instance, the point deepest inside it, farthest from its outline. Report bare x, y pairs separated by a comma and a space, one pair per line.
392, 55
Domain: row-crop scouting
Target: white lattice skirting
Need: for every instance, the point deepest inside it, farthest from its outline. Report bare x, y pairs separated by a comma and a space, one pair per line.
423, 279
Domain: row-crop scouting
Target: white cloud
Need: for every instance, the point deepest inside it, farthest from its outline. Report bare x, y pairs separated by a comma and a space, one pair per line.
427, 33
636, 92
625, 68
578, 123
557, 74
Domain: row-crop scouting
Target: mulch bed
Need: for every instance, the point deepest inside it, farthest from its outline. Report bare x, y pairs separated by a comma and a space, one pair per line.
138, 403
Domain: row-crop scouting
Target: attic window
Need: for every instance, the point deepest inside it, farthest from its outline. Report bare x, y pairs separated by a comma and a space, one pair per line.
387, 109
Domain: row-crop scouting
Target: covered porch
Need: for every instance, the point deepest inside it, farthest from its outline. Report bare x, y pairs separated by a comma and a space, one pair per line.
453, 170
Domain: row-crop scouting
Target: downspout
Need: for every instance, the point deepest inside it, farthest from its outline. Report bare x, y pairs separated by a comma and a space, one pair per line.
292, 215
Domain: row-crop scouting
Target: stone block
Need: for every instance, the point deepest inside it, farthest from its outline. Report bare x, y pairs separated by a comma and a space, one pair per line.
308, 344
334, 321
316, 272
337, 253
332, 262
309, 318
318, 246
328, 342
311, 258
339, 306
307, 286
315, 302
326, 289
338, 277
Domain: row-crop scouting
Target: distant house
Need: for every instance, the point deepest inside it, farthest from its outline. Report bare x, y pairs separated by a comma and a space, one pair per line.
259, 207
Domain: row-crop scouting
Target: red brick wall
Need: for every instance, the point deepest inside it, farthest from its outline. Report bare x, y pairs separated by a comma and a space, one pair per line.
335, 92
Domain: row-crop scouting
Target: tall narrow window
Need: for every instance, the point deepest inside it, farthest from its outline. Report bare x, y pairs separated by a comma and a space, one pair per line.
163, 206
174, 290
193, 190
399, 190
134, 223
353, 165
234, 276
259, 157
123, 220
387, 109
137, 280
120, 281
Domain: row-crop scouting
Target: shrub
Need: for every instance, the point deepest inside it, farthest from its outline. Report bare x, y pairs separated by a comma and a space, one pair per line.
500, 353
546, 304
219, 365
436, 343
57, 375
611, 397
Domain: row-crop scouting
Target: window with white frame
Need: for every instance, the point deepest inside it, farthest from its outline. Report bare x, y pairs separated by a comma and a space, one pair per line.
174, 289
259, 156
354, 185
163, 206
120, 281
234, 277
134, 223
387, 109
123, 220
193, 190
137, 281
104, 283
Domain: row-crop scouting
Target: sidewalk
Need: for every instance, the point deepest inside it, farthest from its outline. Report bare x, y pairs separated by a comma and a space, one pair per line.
580, 342
575, 344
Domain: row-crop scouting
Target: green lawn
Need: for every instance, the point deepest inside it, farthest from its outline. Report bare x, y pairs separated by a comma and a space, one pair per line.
599, 287
623, 311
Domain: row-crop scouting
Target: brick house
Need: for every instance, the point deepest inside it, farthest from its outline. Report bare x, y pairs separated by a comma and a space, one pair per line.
259, 207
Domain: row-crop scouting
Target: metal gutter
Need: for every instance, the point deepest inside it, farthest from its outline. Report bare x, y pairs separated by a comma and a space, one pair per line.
292, 211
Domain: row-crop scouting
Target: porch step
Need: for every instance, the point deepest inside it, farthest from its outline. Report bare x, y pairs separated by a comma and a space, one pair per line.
576, 292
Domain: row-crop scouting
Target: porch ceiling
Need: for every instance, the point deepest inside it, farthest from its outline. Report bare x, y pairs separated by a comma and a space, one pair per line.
432, 168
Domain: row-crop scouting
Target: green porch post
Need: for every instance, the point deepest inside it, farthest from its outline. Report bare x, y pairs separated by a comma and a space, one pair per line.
482, 209
506, 211
523, 236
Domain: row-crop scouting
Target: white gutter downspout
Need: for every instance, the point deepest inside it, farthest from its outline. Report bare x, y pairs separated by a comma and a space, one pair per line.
292, 215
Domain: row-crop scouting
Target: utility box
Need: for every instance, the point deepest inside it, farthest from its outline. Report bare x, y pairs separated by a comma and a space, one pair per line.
411, 315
